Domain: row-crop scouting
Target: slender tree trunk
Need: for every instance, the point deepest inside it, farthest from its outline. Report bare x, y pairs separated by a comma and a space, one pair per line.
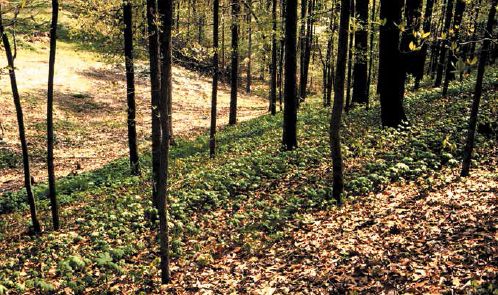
391, 76
372, 47
289, 139
444, 44
469, 146
130, 86
336, 116
273, 79
50, 118
165, 8
350, 60
20, 122
235, 62
155, 83
302, 45
249, 47
306, 40
222, 39
360, 88
452, 58
214, 96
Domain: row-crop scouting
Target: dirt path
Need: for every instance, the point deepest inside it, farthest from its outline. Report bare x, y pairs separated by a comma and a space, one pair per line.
90, 111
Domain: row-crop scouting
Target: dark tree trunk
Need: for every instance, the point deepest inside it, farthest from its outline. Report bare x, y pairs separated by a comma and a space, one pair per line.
360, 88
130, 86
413, 16
273, 79
350, 60
372, 47
52, 193
281, 56
469, 146
214, 96
20, 122
235, 62
249, 47
302, 44
391, 77
165, 9
336, 116
420, 63
452, 58
442, 53
306, 55
155, 83
289, 139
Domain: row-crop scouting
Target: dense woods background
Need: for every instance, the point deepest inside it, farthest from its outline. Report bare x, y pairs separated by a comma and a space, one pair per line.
261, 147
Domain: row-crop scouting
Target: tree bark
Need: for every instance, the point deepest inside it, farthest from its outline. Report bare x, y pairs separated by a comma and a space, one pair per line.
419, 72
155, 83
214, 96
165, 9
52, 193
444, 44
391, 77
235, 62
273, 79
289, 139
130, 87
469, 146
360, 88
336, 116
452, 58
350, 60
249, 47
20, 122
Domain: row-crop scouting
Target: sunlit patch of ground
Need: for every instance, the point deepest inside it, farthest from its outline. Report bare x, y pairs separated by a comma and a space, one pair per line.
90, 110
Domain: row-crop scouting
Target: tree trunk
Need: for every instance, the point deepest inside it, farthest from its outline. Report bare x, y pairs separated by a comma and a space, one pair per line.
336, 116
350, 59
444, 44
372, 46
130, 86
306, 55
452, 58
155, 83
52, 193
302, 45
165, 8
214, 97
249, 47
413, 16
289, 139
391, 78
469, 146
20, 122
235, 62
273, 79
360, 88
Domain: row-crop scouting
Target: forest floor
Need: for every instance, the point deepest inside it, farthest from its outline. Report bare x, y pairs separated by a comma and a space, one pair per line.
259, 220
90, 111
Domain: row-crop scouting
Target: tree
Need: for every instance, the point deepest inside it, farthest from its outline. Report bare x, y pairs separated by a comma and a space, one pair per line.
273, 78
214, 97
306, 42
372, 46
289, 139
249, 46
419, 71
391, 77
360, 88
413, 9
444, 43
165, 9
20, 122
235, 62
50, 118
350, 58
452, 59
130, 86
469, 146
336, 116
155, 84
